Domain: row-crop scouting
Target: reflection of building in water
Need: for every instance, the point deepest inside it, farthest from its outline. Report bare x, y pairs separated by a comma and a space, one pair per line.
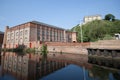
28, 67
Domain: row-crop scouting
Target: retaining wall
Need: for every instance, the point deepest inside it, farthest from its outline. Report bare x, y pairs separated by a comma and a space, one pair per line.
106, 44
62, 47
68, 49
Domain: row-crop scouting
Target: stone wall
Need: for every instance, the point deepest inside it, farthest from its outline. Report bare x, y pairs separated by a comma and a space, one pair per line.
76, 48
68, 49
106, 44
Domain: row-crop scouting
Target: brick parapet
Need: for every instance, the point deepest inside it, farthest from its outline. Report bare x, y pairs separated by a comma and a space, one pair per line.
67, 44
106, 44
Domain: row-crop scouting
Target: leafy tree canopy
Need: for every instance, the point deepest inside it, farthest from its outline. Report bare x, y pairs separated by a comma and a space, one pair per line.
110, 17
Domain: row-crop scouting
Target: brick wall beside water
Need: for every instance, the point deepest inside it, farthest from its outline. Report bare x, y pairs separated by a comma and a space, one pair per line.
77, 48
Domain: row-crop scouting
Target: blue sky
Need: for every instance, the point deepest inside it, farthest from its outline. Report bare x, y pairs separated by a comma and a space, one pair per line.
61, 13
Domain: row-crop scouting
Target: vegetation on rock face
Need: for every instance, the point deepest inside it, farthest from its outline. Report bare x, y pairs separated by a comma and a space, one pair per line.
97, 30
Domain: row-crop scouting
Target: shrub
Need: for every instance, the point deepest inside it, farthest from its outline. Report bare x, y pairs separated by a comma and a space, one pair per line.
30, 50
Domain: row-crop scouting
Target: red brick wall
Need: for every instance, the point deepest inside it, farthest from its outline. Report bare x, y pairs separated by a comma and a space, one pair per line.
75, 48
106, 44
1, 39
66, 44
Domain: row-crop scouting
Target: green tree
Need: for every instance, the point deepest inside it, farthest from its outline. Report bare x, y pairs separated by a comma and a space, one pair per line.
97, 30
44, 50
110, 17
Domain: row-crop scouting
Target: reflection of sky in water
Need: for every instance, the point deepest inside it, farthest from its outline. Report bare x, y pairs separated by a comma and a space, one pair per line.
71, 72
7, 77
74, 72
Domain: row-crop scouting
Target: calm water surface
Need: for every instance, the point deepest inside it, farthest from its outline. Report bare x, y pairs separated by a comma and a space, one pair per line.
52, 67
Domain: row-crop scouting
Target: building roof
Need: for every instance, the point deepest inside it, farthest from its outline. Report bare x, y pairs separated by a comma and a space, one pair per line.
1, 32
41, 23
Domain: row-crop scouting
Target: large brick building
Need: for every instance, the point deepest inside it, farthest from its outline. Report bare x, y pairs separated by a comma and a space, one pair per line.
33, 33
1, 38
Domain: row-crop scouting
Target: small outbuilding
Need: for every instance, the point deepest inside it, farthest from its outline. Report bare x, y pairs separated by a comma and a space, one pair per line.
117, 36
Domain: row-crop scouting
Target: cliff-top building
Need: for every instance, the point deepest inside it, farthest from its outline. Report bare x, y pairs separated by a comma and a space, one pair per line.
33, 33
91, 18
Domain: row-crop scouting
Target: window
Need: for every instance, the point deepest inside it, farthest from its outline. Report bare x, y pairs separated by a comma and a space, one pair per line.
11, 34
42, 32
20, 33
51, 33
25, 39
8, 41
43, 38
38, 38
8, 35
16, 40
47, 33
26, 32
12, 40
38, 32
16, 33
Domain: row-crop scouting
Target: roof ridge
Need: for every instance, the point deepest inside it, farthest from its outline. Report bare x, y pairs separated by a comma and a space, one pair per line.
37, 22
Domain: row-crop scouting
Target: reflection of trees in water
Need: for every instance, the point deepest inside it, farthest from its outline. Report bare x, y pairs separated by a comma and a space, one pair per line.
116, 76
100, 73
105, 61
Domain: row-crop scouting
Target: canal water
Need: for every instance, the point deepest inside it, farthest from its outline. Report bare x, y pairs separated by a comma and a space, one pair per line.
55, 66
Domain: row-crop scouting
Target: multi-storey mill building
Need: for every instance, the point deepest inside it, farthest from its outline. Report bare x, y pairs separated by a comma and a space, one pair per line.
33, 33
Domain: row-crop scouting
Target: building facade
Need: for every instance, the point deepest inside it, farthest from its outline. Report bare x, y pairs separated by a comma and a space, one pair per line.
34, 33
91, 18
